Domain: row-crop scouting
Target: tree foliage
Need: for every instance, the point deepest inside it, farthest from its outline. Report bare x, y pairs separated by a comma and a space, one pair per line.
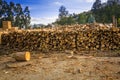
68, 19
82, 18
63, 12
96, 5
105, 14
100, 12
91, 19
15, 13
64, 17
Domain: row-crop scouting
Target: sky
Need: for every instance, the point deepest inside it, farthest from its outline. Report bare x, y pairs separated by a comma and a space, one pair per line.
46, 11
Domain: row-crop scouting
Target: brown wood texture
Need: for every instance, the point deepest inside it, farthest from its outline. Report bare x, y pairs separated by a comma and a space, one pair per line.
22, 56
7, 25
79, 37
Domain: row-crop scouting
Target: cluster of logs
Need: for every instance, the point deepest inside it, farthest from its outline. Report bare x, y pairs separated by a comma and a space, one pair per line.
99, 40
63, 39
41, 40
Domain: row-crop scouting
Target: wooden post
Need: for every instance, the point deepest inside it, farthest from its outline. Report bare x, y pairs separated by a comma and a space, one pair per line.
114, 21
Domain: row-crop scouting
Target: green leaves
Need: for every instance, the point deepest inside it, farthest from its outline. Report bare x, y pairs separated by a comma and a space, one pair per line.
14, 13
82, 18
63, 12
96, 5
106, 11
91, 19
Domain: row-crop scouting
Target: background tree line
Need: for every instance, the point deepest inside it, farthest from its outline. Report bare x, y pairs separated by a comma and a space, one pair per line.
104, 12
100, 12
15, 13
67, 19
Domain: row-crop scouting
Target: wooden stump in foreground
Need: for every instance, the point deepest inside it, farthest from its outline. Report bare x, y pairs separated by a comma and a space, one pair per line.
22, 56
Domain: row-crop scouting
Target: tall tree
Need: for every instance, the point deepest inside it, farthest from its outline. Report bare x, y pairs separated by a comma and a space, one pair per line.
63, 12
14, 13
18, 17
1, 12
96, 5
5, 8
10, 13
27, 17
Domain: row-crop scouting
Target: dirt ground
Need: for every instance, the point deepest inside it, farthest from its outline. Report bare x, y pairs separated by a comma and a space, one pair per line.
61, 66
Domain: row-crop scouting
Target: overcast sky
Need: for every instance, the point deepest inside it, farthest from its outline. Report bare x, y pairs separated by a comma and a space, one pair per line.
46, 11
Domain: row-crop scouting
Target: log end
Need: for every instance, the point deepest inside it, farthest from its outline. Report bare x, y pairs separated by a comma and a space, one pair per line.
27, 56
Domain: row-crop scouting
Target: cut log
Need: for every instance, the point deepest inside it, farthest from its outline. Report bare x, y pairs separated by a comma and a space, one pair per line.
22, 56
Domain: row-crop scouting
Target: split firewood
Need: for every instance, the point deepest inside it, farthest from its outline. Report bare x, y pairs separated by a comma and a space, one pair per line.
78, 37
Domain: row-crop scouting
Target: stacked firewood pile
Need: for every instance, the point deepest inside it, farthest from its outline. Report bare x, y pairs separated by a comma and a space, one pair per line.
88, 40
79, 37
41, 40
99, 40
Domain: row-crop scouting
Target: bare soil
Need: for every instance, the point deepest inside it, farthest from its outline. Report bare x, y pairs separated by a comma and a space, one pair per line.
62, 66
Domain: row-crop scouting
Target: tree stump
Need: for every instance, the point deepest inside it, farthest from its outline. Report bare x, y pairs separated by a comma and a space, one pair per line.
22, 56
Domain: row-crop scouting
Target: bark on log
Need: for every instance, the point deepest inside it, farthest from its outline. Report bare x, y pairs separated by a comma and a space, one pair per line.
22, 56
